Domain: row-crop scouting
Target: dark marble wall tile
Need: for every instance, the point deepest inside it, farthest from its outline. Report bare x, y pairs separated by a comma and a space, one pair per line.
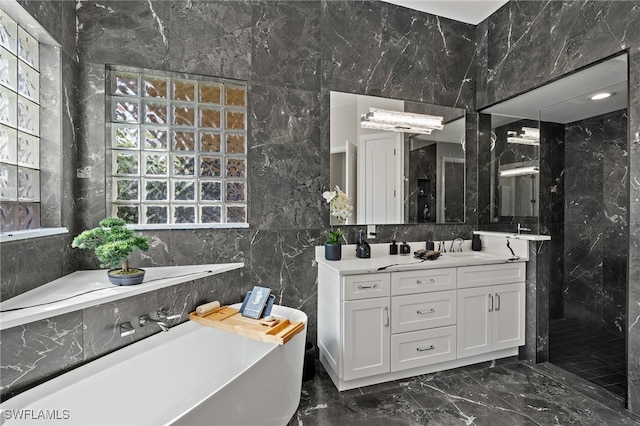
585, 32
134, 33
518, 53
34, 352
633, 297
596, 199
560, 38
17, 260
209, 37
286, 44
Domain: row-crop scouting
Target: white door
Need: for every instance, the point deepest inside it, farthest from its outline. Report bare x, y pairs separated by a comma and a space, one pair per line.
380, 192
351, 176
367, 338
474, 321
508, 316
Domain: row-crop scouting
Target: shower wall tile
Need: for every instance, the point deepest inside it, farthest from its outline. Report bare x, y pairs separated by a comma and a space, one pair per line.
286, 44
34, 352
583, 297
633, 297
210, 38
585, 32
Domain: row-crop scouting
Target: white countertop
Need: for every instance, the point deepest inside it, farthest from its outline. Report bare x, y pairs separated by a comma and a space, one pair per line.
514, 236
83, 289
350, 264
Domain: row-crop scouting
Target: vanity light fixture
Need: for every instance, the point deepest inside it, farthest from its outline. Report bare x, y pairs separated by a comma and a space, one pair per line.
600, 96
520, 171
399, 121
528, 136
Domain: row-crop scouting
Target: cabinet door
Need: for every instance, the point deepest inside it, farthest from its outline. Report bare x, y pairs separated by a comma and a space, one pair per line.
475, 306
508, 316
367, 338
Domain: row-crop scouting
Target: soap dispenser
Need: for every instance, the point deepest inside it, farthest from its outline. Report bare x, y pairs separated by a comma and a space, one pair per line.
363, 249
393, 247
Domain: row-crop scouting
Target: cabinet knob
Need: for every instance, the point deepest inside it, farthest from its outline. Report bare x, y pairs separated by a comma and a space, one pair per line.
430, 348
422, 312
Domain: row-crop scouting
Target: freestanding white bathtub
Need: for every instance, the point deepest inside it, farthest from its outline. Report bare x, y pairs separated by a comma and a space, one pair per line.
190, 375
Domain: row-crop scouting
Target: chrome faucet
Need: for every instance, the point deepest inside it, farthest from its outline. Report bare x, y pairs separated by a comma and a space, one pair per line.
145, 319
162, 321
459, 241
523, 229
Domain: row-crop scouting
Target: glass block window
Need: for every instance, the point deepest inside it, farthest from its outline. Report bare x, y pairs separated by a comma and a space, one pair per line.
19, 127
178, 148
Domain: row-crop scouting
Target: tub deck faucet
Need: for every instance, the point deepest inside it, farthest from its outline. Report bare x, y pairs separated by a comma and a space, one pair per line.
162, 321
145, 319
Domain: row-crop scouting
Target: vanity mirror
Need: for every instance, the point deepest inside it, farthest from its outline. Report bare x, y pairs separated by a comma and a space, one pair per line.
406, 171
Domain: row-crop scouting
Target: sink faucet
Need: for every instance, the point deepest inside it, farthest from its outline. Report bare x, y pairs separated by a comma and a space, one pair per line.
523, 229
459, 241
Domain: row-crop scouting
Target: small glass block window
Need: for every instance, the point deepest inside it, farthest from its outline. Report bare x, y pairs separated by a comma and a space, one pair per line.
19, 127
178, 147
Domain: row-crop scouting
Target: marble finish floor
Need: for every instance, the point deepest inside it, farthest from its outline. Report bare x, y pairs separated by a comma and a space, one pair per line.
508, 392
595, 355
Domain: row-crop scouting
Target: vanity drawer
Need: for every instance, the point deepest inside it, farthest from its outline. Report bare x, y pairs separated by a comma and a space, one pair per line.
481, 275
420, 311
419, 348
366, 286
409, 282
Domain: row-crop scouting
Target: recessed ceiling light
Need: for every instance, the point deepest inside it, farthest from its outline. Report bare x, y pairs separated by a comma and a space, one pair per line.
602, 95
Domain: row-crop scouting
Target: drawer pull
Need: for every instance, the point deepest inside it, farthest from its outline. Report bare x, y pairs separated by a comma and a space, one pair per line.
429, 281
421, 312
430, 348
364, 287
387, 321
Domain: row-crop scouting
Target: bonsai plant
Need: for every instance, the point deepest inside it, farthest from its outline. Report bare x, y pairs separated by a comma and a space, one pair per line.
112, 243
340, 208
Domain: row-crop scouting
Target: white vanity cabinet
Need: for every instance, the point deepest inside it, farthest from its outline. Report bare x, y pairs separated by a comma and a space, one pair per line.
380, 326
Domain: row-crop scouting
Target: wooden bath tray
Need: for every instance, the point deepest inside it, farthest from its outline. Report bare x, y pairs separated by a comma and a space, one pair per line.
231, 320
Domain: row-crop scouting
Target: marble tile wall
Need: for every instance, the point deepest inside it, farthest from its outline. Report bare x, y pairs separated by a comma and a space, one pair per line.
58, 18
526, 44
292, 54
595, 227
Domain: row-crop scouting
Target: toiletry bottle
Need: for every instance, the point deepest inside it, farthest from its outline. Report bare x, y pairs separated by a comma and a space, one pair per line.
363, 249
476, 243
393, 247
405, 249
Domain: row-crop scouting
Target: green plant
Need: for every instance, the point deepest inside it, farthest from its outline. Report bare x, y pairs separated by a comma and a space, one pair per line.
334, 236
112, 242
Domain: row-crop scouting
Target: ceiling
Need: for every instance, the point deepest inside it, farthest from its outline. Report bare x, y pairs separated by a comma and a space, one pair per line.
469, 11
